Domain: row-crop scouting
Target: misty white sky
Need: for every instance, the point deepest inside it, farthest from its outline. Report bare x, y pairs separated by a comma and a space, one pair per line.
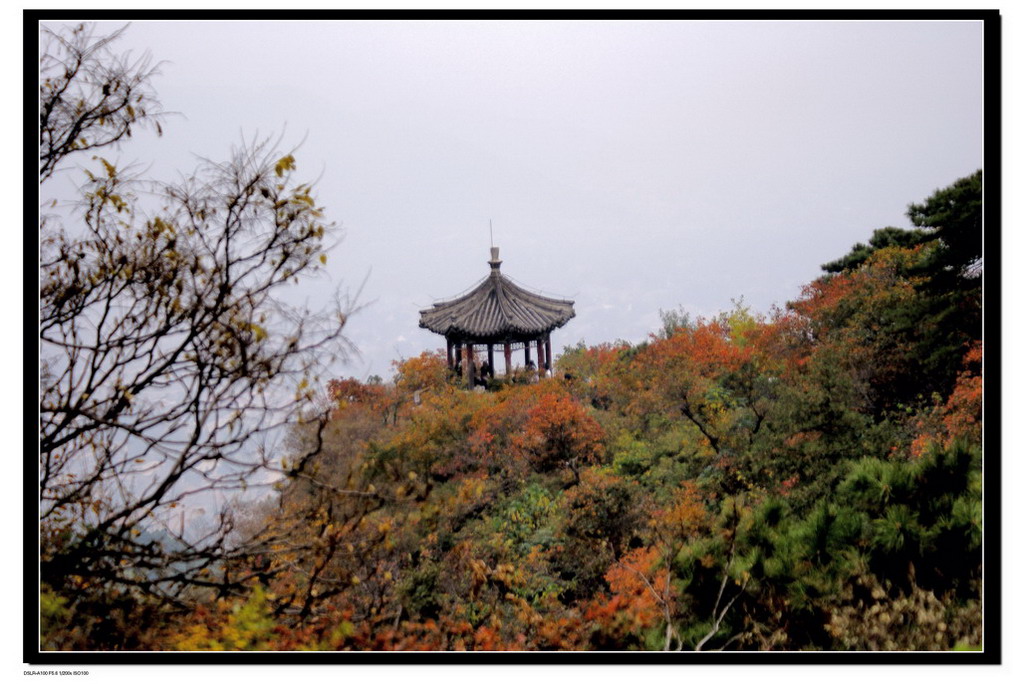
631, 166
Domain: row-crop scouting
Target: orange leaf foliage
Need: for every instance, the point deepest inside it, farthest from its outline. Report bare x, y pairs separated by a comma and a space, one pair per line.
961, 417
559, 431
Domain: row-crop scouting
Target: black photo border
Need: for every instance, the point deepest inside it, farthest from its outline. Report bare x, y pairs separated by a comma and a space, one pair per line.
992, 349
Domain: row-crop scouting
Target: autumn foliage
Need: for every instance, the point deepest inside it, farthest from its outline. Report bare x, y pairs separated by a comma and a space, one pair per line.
788, 481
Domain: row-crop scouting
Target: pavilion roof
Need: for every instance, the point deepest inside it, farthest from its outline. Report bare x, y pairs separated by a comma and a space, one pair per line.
497, 309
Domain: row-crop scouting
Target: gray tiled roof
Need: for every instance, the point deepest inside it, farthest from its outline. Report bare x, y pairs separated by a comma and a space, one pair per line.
496, 310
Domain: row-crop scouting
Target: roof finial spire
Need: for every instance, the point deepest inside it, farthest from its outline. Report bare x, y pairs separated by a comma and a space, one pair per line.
494, 252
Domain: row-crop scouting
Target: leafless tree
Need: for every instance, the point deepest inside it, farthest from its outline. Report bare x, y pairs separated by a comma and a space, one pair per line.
169, 360
89, 96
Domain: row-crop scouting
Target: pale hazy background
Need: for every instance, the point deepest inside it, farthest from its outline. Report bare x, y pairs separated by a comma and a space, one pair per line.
631, 166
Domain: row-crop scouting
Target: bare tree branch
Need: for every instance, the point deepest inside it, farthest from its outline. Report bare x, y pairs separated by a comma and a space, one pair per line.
170, 362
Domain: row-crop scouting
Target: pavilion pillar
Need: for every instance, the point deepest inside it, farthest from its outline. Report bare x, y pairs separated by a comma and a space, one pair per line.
468, 366
489, 359
539, 353
450, 354
528, 359
549, 357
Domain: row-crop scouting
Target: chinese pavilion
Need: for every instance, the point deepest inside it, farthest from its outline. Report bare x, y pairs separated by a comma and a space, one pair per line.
496, 313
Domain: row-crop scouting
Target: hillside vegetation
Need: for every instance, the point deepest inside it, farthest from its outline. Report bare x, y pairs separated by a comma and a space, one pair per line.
804, 479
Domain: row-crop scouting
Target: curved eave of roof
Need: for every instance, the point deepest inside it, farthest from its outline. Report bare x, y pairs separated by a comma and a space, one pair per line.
497, 309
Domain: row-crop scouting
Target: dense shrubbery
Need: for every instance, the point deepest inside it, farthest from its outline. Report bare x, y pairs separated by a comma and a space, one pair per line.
807, 480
